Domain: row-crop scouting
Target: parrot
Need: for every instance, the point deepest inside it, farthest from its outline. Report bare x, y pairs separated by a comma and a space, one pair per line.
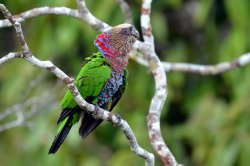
101, 82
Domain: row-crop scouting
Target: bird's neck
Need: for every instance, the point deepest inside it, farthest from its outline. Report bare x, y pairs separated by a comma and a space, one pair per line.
117, 60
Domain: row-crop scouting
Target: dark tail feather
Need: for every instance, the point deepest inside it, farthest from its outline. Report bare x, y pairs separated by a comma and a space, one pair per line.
68, 112
61, 136
88, 125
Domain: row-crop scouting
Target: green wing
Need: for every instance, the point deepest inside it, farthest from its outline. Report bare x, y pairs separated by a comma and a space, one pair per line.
90, 80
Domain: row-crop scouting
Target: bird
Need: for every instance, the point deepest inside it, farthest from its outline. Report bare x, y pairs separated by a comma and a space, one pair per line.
101, 82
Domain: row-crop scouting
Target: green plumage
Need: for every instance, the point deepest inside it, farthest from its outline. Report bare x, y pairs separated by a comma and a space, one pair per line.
90, 81
101, 81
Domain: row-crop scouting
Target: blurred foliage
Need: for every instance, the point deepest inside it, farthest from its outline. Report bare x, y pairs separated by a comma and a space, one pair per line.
205, 120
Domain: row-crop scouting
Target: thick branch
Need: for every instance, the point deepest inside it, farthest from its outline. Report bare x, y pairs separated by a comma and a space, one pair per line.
157, 102
98, 112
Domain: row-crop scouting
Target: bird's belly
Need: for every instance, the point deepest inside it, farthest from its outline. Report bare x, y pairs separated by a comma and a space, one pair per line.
111, 87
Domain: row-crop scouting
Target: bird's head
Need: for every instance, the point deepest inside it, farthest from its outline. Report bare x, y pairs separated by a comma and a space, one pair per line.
122, 37
117, 41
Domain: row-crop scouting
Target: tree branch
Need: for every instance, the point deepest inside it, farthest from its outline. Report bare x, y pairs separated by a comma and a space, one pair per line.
101, 26
10, 56
18, 122
219, 68
157, 102
125, 10
89, 18
208, 69
25, 110
40, 12
98, 112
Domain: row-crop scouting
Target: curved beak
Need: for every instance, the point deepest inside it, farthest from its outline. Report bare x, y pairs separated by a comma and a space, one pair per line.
135, 33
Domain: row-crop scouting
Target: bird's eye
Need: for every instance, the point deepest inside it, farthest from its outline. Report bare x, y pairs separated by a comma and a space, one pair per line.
126, 31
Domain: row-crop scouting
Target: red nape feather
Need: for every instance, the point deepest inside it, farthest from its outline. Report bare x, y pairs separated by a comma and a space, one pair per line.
116, 59
103, 44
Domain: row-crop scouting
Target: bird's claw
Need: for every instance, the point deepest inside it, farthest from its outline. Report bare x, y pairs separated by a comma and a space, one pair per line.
119, 119
94, 113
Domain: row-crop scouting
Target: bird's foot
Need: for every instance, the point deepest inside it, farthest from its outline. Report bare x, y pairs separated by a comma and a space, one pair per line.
117, 121
95, 112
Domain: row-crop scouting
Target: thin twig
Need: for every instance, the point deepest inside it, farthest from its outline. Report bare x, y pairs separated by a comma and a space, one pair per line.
10, 56
16, 123
125, 10
25, 110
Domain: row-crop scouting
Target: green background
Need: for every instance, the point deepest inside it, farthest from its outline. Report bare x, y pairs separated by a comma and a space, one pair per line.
205, 121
